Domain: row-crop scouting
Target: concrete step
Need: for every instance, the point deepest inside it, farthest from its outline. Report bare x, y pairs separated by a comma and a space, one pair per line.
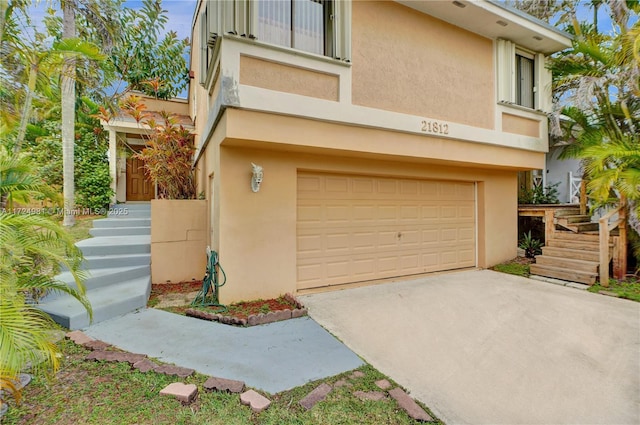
120, 231
576, 254
126, 213
121, 222
115, 245
572, 244
107, 302
567, 263
574, 218
559, 273
111, 261
583, 237
142, 206
98, 278
107, 261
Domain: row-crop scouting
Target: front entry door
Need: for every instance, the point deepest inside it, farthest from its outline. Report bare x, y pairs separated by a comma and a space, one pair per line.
139, 188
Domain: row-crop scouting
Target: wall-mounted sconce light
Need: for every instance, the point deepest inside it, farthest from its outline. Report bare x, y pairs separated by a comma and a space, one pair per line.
256, 177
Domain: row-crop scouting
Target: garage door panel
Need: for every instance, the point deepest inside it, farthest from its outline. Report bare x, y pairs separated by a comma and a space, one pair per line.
387, 186
358, 228
363, 185
310, 244
429, 189
309, 183
336, 184
310, 213
364, 268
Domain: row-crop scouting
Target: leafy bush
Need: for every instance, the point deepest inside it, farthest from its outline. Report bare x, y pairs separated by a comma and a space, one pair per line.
168, 155
95, 189
32, 247
92, 180
539, 195
531, 246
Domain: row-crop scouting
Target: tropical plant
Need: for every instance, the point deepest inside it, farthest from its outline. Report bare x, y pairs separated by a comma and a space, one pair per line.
168, 154
539, 195
597, 93
531, 246
141, 39
32, 248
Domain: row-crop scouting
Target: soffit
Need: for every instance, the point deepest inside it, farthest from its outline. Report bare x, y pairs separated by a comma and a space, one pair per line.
481, 17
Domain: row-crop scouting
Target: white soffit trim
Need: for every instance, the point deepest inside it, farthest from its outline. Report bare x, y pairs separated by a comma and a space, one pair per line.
482, 17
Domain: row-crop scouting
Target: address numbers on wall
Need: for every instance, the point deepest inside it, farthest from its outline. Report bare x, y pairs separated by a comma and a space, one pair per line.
434, 127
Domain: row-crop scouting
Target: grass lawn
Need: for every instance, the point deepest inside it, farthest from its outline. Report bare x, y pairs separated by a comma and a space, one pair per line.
628, 288
80, 230
518, 266
89, 392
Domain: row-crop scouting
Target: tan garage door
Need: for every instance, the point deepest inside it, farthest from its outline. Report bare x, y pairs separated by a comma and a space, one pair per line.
359, 228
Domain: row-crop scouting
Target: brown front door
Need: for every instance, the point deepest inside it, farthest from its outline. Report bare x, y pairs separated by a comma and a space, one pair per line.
138, 187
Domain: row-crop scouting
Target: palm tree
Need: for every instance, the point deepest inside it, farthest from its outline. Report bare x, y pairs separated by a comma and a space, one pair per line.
91, 12
68, 87
597, 83
32, 248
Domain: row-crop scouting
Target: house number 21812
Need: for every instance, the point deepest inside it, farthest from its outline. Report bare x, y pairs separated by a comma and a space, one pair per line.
435, 127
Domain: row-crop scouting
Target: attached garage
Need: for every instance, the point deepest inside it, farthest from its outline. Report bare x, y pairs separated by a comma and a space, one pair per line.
357, 228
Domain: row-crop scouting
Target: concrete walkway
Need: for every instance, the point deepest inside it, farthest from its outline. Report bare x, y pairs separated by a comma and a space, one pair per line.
274, 357
481, 347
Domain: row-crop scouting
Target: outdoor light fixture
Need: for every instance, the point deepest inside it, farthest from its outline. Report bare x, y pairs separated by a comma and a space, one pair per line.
256, 177
459, 4
502, 23
537, 37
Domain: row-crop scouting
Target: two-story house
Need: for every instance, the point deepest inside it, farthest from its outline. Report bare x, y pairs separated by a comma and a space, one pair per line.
389, 134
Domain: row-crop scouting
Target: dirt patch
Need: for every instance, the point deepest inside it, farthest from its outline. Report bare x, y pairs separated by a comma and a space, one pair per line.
177, 298
523, 260
244, 309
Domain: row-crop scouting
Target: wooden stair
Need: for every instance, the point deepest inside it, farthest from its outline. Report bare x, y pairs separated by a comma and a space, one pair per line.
576, 223
570, 256
572, 248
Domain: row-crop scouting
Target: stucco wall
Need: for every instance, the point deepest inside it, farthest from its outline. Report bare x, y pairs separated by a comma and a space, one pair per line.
307, 135
290, 79
178, 240
520, 125
257, 231
409, 62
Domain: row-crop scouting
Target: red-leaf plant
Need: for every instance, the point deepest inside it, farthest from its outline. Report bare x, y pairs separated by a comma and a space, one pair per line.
168, 154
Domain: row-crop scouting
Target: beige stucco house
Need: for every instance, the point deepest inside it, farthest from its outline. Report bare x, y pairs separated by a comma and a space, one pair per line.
390, 135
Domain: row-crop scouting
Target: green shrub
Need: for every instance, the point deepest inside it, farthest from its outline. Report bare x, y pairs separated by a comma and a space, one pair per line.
531, 246
94, 189
539, 195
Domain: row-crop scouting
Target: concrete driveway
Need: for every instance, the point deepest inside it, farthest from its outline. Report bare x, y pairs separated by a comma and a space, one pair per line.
481, 347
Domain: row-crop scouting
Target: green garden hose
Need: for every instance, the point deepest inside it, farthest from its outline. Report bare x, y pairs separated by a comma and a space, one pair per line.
208, 296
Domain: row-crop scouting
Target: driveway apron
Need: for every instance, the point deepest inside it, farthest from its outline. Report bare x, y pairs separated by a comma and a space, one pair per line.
481, 347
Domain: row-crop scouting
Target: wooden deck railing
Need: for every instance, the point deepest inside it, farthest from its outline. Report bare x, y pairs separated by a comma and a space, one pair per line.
619, 244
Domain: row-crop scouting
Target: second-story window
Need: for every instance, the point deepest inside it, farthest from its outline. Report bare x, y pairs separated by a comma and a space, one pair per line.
299, 24
525, 82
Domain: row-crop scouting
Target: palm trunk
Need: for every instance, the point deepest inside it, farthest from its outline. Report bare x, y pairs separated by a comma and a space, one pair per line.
68, 116
26, 107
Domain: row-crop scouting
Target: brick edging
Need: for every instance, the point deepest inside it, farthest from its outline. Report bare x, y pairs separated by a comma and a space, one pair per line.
254, 319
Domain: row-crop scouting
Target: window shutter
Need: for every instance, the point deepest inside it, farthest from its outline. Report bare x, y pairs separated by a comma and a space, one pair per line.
243, 18
543, 84
252, 24
228, 16
506, 51
204, 35
342, 29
